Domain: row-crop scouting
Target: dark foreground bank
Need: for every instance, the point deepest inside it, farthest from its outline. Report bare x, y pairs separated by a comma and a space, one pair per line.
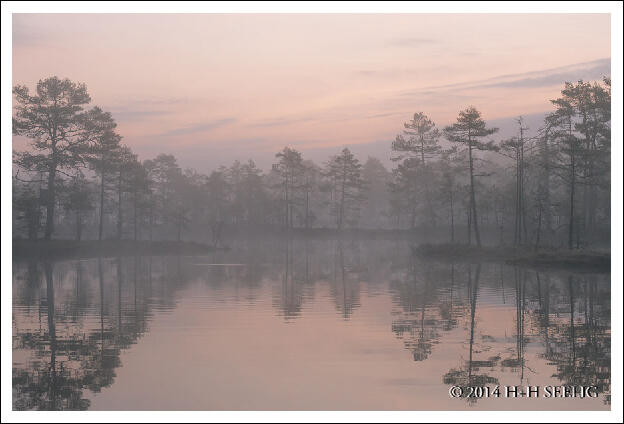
60, 249
577, 260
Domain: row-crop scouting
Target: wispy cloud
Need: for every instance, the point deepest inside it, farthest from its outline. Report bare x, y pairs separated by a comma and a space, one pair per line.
282, 121
198, 128
125, 114
555, 78
325, 116
594, 69
396, 72
130, 108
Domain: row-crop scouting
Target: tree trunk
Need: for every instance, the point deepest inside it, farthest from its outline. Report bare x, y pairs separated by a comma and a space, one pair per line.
469, 221
539, 226
547, 211
135, 220
307, 209
50, 203
452, 220
522, 202
288, 205
517, 203
571, 222
180, 223
342, 200
101, 226
78, 226
472, 197
119, 211
151, 224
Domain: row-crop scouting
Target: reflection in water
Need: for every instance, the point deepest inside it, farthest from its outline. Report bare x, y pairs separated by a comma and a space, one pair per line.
345, 289
474, 372
581, 347
74, 322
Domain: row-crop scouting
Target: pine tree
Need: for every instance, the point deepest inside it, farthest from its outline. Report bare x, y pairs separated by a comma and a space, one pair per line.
290, 168
468, 129
344, 173
55, 120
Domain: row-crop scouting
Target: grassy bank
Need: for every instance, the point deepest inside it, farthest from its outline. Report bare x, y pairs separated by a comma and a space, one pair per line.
577, 260
61, 249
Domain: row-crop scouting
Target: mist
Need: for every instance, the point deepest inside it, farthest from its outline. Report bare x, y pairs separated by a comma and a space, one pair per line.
276, 212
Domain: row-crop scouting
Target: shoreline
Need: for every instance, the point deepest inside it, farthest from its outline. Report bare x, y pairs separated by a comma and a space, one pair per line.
543, 258
69, 249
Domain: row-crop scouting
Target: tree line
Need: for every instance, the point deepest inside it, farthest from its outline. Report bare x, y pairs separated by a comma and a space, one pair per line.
550, 186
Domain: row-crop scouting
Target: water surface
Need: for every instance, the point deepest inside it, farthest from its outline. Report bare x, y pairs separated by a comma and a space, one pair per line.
302, 325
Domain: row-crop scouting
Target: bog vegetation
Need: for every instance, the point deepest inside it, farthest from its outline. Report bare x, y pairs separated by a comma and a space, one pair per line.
547, 186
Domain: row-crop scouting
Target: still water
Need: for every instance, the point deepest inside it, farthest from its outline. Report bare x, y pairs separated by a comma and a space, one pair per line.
303, 325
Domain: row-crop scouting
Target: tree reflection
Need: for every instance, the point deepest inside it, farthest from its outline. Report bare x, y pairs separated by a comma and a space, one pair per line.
291, 297
72, 320
51, 384
580, 346
69, 355
468, 375
345, 289
426, 307
517, 363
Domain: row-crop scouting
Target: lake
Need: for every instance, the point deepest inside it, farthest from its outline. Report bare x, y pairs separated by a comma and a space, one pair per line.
304, 325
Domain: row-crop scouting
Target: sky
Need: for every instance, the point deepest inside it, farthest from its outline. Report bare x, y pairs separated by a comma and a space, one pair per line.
212, 88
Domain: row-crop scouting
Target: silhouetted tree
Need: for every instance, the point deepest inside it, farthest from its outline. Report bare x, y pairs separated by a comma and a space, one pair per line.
377, 179
247, 191
290, 168
55, 120
515, 148
422, 139
347, 187
217, 203
125, 165
449, 187
468, 129
27, 208
422, 143
139, 188
580, 125
103, 158
310, 187
406, 188
79, 200
162, 171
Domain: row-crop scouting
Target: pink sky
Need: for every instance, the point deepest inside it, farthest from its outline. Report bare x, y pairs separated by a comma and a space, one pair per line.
213, 88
